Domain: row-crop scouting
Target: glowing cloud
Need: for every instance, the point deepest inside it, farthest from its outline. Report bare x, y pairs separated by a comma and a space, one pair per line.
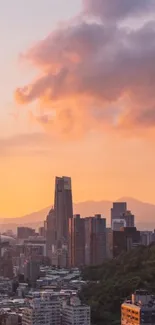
96, 74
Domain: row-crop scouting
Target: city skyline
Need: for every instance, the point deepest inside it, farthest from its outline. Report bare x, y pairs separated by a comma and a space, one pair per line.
77, 98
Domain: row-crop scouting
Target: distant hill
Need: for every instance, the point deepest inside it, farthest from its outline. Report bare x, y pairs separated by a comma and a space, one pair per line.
144, 213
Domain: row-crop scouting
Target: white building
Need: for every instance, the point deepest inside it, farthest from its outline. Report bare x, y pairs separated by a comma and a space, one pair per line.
44, 309
75, 313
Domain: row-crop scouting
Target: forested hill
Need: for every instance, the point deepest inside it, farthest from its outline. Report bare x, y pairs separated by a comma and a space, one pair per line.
116, 280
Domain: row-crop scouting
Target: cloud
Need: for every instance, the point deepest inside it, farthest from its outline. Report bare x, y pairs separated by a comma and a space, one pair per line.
115, 10
95, 75
26, 143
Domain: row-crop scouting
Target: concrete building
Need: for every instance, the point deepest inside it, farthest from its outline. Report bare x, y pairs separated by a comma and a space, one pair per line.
76, 241
74, 313
6, 263
129, 219
95, 240
51, 232
118, 209
41, 231
63, 208
8, 317
109, 247
35, 247
117, 224
147, 237
31, 271
44, 309
124, 240
59, 256
25, 232
139, 310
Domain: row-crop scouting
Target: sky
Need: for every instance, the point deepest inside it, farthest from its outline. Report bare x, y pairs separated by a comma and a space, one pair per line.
76, 99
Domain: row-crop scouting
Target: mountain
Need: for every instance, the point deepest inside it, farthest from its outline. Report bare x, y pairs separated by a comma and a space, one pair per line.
144, 214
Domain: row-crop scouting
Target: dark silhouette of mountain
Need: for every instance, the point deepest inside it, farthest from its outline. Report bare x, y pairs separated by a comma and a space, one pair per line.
144, 214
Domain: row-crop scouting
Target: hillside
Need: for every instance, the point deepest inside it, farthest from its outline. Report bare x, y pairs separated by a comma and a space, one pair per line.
118, 278
143, 211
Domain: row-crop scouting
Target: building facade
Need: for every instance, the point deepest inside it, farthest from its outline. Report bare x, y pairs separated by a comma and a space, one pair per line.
129, 219
63, 208
124, 240
95, 240
25, 232
118, 209
117, 224
74, 313
44, 309
76, 241
139, 310
31, 271
50, 232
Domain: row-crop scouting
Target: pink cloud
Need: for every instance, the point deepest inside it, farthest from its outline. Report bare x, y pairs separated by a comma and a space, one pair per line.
89, 66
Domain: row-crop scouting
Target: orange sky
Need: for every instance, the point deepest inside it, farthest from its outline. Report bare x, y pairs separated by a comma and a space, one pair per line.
77, 99
27, 179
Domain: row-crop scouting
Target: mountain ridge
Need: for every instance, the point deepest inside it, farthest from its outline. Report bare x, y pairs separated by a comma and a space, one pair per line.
142, 210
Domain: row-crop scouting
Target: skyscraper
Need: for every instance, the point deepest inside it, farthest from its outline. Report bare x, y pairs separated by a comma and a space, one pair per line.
50, 231
124, 240
95, 240
76, 241
63, 208
118, 209
129, 218
31, 271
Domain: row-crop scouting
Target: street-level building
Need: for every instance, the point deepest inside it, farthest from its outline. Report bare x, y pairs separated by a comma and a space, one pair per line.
75, 313
44, 309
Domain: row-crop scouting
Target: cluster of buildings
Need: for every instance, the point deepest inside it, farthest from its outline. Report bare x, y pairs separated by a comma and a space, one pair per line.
45, 308
139, 310
53, 300
67, 240
40, 270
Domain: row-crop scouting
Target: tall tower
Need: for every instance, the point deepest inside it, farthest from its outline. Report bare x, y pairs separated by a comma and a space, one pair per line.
63, 208
95, 240
118, 209
76, 241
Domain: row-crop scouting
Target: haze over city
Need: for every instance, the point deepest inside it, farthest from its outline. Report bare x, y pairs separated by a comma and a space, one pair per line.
77, 98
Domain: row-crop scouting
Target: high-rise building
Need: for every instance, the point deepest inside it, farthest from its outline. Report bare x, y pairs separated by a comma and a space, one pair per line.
139, 310
51, 232
31, 271
117, 210
75, 313
44, 308
129, 219
25, 232
6, 264
117, 224
63, 208
147, 237
76, 241
42, 231
124, 240
95, 240
109, 247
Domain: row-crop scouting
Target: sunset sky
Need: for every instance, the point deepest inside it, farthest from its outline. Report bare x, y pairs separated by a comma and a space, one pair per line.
77, 98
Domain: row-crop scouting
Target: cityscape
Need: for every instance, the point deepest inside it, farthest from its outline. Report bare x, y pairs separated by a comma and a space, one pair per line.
77, 162
44, 272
